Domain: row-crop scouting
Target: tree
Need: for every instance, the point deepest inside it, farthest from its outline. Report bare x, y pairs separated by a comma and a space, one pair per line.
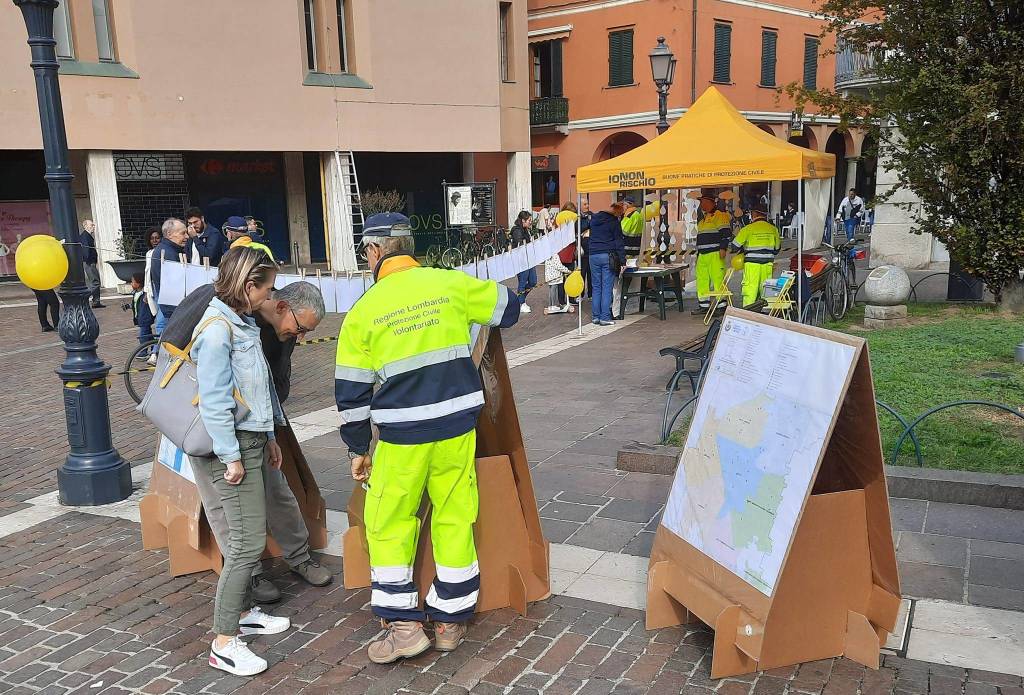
948, 114
376, 201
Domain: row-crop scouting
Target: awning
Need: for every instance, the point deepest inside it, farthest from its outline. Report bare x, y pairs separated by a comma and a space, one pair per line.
712, 144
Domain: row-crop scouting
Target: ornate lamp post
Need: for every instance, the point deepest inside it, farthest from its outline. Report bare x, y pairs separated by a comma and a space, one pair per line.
663, 69
93, 473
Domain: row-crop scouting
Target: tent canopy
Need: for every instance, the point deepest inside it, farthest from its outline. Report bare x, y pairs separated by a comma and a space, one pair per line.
712, 144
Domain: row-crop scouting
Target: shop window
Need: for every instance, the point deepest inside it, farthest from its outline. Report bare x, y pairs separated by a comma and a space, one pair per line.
769, 39
810, 62
62, 30
620, 58
723, 53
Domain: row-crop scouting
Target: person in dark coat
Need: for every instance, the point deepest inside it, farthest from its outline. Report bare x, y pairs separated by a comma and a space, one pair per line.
606, 240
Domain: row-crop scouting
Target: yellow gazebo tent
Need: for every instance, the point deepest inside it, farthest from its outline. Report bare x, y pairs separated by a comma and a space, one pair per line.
712, 144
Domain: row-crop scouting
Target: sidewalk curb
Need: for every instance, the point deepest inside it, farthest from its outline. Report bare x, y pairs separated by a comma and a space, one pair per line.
956, 487
931, 484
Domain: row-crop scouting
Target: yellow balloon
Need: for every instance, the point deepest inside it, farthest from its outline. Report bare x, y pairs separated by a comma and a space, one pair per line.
651, 211
41, 262
737, 262
574, 284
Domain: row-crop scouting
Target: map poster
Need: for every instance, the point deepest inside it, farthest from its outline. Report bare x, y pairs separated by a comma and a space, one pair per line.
758, 431
175, 459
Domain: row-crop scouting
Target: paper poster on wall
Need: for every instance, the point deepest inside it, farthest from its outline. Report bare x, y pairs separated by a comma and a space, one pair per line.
19, 220
758, 430
175, 459
459, 200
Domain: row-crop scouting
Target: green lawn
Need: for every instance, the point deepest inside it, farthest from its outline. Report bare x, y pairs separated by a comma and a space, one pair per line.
948, 353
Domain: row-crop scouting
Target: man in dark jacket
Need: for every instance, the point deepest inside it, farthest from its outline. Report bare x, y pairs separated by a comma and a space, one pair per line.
528, 277
170, 248
294, 311
207, 240
605, 241
90, 259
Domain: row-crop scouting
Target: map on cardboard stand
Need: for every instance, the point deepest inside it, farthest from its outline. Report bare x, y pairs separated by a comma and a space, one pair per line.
758, 431
174, 458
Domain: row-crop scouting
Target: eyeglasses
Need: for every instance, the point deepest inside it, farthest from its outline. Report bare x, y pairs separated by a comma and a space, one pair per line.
299, 328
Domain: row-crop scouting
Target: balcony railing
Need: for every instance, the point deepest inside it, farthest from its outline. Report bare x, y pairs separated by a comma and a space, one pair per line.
549, 111
854, 68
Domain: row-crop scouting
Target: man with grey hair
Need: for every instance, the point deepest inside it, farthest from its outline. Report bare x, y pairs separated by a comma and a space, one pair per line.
170, 248
292, 312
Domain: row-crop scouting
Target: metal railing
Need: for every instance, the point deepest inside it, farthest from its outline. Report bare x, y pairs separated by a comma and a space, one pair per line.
854, 68
549, 111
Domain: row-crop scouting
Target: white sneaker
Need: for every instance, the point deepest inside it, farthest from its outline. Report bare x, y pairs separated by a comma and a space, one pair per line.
525, 309
236, 659
261, 623
152, 360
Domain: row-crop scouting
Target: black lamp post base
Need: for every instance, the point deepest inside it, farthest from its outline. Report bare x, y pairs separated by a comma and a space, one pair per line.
95, 485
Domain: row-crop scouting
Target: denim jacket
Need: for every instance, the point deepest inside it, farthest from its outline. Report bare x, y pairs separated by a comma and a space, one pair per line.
225, 361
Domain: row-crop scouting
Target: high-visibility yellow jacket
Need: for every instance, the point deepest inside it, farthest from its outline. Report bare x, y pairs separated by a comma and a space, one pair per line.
758, 242
714, 232
633, 224
410, 333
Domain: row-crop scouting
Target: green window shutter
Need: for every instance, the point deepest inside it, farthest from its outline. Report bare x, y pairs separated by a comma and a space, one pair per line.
620, 57
768, 41
810, 62
723, 53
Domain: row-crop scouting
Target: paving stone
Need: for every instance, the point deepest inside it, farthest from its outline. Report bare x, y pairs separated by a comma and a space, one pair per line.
998, 572
566, 511
641, 545
637, 511
1012, 551
995, 597
606, 534
580, 498
983, 523
558, 531
931, 581
932, 550
908, 515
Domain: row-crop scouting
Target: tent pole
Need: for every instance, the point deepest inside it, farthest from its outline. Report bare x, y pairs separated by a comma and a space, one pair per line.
579, 260
799, 247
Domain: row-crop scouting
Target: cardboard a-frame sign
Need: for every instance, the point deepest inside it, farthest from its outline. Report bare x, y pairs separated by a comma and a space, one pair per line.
511, 550
172, 511
777, 533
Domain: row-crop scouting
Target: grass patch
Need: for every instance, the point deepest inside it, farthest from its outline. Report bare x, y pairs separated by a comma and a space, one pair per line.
949, 352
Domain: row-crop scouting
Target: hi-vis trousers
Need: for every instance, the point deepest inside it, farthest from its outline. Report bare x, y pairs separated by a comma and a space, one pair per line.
754, 277
710, 274
400, 473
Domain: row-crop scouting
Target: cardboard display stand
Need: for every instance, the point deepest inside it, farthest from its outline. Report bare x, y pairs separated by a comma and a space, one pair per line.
511, 549
836, 591
172, 512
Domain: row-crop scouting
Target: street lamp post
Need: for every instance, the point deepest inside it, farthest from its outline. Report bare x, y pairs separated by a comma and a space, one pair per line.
93, 473
663, 69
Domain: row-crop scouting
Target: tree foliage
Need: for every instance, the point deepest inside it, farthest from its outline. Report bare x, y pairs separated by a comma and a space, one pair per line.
948, 115
375, 201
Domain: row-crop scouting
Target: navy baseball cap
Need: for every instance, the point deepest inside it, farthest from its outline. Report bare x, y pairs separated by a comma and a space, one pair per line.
387, 224
630, 200
234, 222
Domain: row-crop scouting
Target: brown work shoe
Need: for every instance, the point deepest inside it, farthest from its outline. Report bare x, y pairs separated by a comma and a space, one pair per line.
447, 636
403, 639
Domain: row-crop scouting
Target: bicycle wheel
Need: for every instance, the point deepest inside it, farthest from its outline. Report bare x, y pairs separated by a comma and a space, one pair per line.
137, 370
837, 294
451, 258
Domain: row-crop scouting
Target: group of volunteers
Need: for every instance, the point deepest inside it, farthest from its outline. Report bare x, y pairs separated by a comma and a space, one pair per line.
403, 368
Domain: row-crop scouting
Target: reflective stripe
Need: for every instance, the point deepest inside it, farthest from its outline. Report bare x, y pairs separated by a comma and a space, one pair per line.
409, 364
355, 414
455, 575
499, 308
398, 574
451, 605
361, 376
429, 411
386, 600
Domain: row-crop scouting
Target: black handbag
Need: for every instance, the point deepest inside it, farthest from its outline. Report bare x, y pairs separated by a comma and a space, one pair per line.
614, 263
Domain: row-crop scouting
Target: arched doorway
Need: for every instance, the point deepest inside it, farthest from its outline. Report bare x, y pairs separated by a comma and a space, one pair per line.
836, 145
612, 146
867, 169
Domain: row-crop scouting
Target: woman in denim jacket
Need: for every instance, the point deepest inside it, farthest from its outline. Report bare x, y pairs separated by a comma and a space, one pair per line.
230, 367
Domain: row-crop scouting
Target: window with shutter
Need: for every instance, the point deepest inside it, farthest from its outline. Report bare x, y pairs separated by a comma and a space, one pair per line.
723, 53
768, 41
810, 62
620, 58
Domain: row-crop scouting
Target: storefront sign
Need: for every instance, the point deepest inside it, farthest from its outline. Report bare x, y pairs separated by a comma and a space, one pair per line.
19, 221
545, 162
149, 166
216, 166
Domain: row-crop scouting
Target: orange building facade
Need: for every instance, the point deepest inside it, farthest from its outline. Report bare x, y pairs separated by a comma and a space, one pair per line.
593, 96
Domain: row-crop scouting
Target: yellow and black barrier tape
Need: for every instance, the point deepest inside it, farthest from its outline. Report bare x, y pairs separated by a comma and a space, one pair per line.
92, 384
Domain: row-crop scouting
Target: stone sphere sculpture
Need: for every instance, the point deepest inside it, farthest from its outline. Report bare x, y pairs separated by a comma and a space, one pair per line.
887, 285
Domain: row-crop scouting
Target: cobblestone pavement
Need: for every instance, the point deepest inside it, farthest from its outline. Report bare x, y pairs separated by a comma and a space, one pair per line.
84, 609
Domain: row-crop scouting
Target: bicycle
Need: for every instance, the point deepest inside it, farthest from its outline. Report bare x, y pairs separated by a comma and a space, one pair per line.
841, 282
137, 370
